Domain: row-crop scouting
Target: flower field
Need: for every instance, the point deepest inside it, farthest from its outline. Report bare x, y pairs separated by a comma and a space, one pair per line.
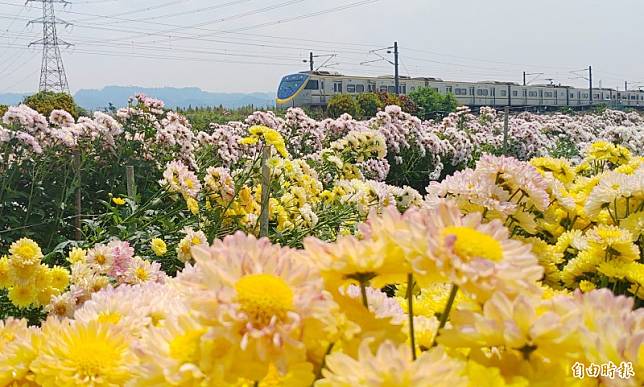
285, 251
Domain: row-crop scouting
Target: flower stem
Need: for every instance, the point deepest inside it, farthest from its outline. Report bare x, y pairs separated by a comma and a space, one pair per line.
363, 292
445, 314
329, 348
410, 313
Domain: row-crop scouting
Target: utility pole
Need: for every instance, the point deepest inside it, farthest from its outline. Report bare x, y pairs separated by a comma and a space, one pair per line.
625, 85
524, 78
310, 61
396, 76
52, 71
394, 63
590, 82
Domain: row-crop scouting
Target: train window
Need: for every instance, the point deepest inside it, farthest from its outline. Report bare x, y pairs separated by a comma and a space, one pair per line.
532, 94
359, 88
448, 89
391, 89
572, 95
412, 88
515, 93
351, 88
312, 84
596, 96
504, 93
525, 93
383, 89
585, 95
403, 88
459, 91
481, 92
337, 87
548, 94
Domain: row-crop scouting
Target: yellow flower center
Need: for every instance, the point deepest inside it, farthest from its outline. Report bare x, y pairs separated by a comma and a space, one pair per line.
263, 296
189, 183
141, 274
184, 347
109, 317
26, 250
472, 243
195, 240
93, 357
101, 259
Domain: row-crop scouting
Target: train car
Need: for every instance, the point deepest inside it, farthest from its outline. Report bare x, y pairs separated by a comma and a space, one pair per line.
315, 88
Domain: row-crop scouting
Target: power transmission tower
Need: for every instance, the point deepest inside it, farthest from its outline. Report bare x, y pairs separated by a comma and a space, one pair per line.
52, 71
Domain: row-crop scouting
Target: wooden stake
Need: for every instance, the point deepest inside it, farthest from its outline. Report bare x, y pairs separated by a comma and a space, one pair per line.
131, 186
77, 218
266, 192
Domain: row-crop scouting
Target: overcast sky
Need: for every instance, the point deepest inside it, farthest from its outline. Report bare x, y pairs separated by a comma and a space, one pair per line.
247, 45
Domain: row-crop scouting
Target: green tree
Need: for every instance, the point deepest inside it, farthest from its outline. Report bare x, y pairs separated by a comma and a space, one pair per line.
3, 110
369, 104
343, 103
46, 101
430, 102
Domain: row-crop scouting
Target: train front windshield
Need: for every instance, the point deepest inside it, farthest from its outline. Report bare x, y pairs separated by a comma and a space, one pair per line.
290, 84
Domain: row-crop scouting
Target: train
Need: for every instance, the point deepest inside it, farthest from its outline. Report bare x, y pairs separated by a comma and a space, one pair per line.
314, 89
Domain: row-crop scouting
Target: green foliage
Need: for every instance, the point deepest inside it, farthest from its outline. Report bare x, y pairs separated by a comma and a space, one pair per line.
430, 102
565, 148
408, 105
369, 104
46, 101
343, 103
202, 117
389, 99
405, 103
599, 108
3, 110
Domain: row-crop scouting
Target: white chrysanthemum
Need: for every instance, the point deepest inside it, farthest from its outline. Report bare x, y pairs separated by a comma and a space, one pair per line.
479, 258
392, 365
100, 258
260, 298
133, 308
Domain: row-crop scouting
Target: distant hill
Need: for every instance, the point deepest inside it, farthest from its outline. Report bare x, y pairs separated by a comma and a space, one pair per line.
172, 96
11, 98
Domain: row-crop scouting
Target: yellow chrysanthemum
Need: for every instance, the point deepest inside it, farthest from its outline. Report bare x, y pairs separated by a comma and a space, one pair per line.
23, 296
560, 168
158, 247
586, 286
5, 277
25, 252
77, 354
20, 345
77, 255
614, 242
193, 205
59, 277
270, 136
118, 201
